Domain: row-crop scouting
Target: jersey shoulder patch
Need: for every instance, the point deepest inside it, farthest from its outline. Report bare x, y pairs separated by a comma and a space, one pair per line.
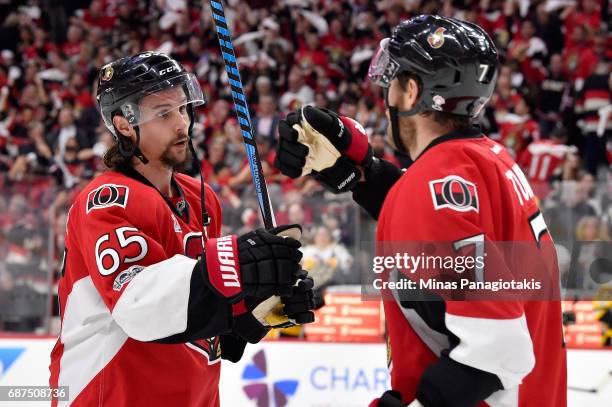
454, 192
107, 195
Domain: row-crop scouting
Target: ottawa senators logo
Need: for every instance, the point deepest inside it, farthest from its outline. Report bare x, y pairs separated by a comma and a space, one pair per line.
107, 195
455, 193
107, 73
436, 39
210, 348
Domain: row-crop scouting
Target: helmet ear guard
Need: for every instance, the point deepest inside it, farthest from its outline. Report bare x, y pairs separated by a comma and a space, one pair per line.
131, 112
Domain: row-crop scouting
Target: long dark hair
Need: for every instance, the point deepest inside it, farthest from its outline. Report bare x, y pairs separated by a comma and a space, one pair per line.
113, 159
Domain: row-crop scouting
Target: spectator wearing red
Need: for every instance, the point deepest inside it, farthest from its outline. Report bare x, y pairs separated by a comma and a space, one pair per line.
518, 128
588, 16
542, 159
530, 51
74, 40
337, 42
95, 16
492, 18
310, 53
40, 47
579, 57
214, 167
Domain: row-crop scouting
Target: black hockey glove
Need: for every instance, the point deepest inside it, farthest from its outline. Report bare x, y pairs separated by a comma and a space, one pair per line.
257, 265
319, 142
292, 310
249, 271
232, 347
298, 307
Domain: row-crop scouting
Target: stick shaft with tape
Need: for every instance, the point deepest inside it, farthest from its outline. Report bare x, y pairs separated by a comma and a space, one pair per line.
244, 119
242, 112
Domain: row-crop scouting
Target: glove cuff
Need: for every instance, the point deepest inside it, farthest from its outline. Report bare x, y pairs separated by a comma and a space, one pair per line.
343, 176
223, 267
359, 149
232, 347
249, 328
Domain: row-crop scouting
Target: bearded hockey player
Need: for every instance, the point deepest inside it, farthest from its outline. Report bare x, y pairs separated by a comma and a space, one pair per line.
146, 313
437, 74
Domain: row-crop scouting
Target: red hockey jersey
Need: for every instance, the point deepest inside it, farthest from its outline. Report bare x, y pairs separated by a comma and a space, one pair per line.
540, 160
465, 186
126, 282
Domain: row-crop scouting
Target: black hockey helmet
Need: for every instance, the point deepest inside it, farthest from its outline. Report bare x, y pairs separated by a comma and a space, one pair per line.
123, 83
455, 60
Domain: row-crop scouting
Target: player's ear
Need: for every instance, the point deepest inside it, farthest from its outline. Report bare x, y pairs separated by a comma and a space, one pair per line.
411, 95
123, 126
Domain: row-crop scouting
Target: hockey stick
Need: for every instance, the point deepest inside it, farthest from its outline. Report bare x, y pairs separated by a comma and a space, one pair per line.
265, 311
242, 112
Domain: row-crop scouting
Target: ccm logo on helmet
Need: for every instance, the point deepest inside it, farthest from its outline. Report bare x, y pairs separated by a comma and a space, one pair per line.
166, 70
455, 193
227, 261
107, 195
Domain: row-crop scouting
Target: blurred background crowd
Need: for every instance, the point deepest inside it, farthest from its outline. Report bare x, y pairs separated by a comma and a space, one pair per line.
551, 109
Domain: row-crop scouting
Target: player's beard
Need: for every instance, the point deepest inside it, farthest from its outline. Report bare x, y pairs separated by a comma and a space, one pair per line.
407, 132
177, 161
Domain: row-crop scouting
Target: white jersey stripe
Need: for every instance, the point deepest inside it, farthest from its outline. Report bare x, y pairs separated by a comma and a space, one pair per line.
90, 336
505, 350
154, 305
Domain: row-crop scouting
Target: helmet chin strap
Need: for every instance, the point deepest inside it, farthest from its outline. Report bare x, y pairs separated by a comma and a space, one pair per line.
205, 216
395, 133
137, 152
134, 150
394, 115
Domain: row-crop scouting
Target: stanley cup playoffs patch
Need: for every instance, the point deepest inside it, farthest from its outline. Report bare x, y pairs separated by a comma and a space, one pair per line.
455, 193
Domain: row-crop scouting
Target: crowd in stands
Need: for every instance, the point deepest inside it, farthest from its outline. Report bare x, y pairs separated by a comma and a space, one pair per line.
551, 107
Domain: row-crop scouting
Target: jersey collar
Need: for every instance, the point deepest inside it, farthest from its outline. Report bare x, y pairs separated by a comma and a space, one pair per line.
184, 213
469, 133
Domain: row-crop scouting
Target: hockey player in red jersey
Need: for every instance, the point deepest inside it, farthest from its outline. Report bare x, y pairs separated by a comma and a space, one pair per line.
151, 298
462, 188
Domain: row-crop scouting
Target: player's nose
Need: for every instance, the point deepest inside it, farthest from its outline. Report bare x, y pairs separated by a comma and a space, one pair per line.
181, 122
